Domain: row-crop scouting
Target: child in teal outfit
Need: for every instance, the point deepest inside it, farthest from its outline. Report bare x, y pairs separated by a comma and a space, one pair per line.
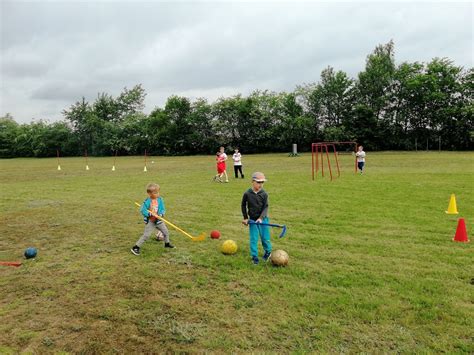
153, 203
255, 207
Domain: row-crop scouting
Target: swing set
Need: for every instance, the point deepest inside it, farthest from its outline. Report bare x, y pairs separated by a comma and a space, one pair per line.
317, 151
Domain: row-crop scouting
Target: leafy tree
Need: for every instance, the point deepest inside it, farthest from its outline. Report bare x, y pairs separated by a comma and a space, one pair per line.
178, 110
363, 127
130, 102
8, 133
158, 135
231, 119
106, 108
132, 135
329, 102
201, 137
396, 129
374, 83
386, 107
335, 96
98, 126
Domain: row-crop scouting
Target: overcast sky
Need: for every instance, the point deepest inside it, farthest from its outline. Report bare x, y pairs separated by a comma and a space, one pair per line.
53, 53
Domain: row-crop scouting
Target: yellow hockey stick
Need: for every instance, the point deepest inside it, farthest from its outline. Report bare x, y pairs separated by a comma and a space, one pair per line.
199, 238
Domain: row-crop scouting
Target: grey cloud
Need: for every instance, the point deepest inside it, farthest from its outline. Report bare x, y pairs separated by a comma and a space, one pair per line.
59, 90
53, 53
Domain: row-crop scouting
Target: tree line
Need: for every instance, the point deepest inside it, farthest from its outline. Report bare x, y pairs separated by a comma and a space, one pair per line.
387, 107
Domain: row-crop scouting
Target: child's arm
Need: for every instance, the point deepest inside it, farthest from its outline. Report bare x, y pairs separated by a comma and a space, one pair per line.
244, 209
145, 209
151, 213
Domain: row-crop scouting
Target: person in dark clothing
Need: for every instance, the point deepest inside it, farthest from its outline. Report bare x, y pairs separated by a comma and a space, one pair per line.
255, 207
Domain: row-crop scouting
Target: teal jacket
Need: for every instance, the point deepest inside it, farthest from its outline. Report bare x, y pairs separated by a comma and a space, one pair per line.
147, 206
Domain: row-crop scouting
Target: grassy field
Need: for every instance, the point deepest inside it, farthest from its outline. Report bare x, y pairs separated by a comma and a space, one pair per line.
372, 264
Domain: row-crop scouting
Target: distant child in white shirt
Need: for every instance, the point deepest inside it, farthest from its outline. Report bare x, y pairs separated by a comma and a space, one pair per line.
360, 155
237, 158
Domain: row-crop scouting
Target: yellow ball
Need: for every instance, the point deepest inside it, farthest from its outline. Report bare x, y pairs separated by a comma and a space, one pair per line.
229, 247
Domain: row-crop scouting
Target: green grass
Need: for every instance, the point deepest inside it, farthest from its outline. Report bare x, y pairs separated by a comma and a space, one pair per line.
372, 264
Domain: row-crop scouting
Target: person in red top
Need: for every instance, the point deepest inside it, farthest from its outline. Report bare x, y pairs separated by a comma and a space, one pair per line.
222, 160
220, 168
221, 157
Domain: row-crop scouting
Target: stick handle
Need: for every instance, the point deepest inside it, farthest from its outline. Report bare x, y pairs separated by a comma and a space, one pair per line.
10, 263
167, 222
266, 224
175, 227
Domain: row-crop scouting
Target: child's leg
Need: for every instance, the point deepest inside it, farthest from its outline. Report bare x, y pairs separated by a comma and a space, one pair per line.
253, 230
236, 171
149, 229
226, 177
265, 236
241, 173
162, 227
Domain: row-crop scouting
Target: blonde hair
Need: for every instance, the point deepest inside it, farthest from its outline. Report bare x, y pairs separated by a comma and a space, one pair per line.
152, 187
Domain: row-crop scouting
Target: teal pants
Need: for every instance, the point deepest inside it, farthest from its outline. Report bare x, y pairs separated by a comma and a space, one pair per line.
264, 233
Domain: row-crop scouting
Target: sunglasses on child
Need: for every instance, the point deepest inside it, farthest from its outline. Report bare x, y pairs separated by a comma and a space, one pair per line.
259, 182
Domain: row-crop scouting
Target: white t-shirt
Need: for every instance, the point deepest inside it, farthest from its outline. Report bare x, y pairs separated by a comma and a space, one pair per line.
223, 157
237, 157
360, 156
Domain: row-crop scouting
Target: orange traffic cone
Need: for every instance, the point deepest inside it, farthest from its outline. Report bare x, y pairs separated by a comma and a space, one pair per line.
452, 208
461, 232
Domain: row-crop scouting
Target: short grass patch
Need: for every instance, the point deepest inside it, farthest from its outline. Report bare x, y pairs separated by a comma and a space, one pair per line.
372, 264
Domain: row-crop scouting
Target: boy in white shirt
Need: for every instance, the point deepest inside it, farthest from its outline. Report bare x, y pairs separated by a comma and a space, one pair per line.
360, 158
237, 158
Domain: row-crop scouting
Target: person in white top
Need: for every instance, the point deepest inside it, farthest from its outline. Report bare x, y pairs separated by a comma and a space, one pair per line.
237, 158
360, 155
223, 159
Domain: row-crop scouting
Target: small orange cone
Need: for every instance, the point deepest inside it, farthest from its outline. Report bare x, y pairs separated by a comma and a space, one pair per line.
452, 208
461, 232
